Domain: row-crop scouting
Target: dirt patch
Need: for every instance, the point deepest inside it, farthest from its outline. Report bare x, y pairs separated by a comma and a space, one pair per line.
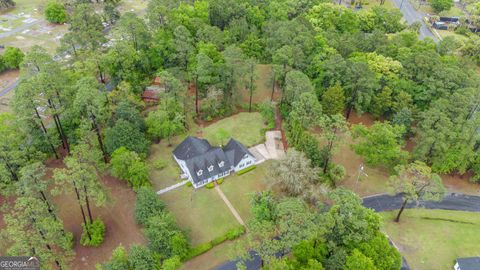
118, 216
365, 119
461, 184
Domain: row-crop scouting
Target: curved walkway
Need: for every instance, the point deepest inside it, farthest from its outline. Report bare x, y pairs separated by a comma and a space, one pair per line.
452, 201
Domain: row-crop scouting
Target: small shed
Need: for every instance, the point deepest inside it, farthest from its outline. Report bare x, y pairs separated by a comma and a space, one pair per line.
471, 263
440, 25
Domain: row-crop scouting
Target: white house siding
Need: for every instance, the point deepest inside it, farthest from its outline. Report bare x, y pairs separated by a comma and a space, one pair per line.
246, 162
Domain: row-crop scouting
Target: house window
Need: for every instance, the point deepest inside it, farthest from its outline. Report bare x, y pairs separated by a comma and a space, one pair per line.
210, 168
221, 164
200, 172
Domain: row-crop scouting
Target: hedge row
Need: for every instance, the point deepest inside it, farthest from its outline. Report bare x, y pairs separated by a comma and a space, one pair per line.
202, 248
246, 170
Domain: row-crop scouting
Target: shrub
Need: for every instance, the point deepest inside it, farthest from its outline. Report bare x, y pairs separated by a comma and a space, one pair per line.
200, 249
97, 233
246, 170
138, 175
12, 57
267, 110
127, 165
172, 263
210, 185
189, 184
441, 5
147, 205
220, 181
218, 240
235, 233
159, 164
140, 257
165, 237
55, 12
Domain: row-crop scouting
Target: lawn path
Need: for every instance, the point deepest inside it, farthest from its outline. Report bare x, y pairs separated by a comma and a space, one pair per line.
229, 205
167, 189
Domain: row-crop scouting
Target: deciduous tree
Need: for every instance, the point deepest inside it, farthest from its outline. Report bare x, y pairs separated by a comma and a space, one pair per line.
416, 182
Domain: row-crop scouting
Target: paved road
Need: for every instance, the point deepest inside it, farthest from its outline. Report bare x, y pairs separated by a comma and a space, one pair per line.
411, 15
19, 29
8, 88
385, 202
452, 201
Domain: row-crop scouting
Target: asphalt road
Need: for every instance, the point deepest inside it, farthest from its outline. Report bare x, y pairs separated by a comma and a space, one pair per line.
8, 88
411, 15
380, 203
453, 201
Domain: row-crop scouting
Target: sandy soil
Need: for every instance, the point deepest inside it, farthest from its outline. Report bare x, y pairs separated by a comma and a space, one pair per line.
117, 214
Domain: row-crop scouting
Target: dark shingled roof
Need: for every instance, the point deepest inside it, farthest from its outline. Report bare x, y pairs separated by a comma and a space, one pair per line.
235, 151
198, 154
472, 263
191, 147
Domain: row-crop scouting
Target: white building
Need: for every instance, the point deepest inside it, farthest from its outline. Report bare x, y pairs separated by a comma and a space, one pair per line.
202, 163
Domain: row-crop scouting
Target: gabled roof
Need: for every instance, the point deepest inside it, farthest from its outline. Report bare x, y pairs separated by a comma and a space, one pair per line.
235, 151
211, 158
471, 263
191, 147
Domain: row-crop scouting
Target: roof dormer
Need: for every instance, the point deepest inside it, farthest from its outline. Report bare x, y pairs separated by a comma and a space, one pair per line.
200, 172
210, 168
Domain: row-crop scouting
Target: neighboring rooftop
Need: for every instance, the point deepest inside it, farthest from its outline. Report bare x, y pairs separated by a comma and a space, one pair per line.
471, 263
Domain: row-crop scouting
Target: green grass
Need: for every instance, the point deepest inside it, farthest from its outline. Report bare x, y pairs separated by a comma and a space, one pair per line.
170, 174
433, 239
263, 87
369, 4
239, 188
201, 212
244, 127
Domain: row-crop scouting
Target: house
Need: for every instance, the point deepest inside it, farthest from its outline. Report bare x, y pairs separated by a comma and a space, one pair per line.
202, 163
471, 263
151, 94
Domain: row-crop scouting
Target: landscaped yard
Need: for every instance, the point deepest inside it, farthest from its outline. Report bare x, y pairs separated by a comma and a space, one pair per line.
433, 239
239, 188
200, 212
170, 174
244, 127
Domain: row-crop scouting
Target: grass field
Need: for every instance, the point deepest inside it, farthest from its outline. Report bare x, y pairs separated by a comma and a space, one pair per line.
201, 212
433, 239
239, 188
170, 174
263, 86
244, 127
374, 180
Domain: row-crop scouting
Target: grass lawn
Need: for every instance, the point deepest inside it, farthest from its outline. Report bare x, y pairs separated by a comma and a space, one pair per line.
374, 3
433, 239
244, 127
170, 174
375, 180
201, 212
238, 188
212, 258
263, 87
